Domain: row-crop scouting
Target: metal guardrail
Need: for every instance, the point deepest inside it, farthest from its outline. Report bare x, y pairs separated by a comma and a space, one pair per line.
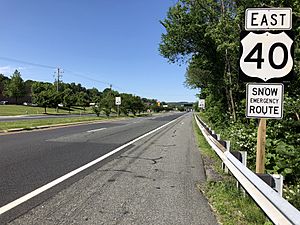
279, 210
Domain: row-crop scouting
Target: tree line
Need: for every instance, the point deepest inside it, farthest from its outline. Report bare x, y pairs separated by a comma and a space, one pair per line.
205, 35
67, 95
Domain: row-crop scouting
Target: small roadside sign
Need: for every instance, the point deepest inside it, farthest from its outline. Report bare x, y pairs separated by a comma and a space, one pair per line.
264, 100
201, 103
118, 100
268, 19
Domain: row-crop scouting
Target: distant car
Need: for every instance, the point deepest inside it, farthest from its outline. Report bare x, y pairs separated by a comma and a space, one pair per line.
3, 102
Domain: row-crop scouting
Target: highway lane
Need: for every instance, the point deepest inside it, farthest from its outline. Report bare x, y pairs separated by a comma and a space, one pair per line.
154, 181
30, 160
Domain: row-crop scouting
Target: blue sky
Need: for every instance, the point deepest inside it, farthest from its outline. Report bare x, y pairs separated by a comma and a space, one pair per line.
111, 41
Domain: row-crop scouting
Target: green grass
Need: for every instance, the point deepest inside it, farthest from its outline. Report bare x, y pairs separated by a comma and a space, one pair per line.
232, 208
227, 201
202, 143
15, 110
30, 124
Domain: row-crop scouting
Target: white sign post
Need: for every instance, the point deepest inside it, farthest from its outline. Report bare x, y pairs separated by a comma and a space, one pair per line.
264, 101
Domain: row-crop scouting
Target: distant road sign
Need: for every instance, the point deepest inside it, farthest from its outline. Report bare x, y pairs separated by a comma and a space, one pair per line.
268, 19
266, 56
118, 100
264, 100
201, 103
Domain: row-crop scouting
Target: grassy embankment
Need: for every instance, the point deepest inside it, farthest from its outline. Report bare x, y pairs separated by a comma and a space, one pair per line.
226, 200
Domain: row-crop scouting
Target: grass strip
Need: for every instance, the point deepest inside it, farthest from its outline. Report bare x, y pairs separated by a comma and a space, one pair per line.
227, 201
30, 124
16, 110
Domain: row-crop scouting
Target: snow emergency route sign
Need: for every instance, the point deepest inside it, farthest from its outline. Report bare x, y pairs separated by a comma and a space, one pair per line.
264, 100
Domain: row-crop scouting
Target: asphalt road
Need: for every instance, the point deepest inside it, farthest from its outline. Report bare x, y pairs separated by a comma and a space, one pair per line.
152, 181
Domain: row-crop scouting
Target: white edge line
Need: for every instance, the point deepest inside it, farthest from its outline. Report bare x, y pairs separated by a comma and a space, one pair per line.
90, 131
53, 183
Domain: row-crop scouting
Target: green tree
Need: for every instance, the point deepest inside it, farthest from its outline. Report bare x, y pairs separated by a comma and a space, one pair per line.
106, 104
3, 81
125, 104
15, 87
97, 110
136, 106
69, 98
94, 95
82, 99
45, 95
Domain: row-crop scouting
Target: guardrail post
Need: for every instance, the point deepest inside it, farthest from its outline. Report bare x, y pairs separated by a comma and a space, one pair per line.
244, 157
267, 178
223, 165
278, 183
228, 145
243, 160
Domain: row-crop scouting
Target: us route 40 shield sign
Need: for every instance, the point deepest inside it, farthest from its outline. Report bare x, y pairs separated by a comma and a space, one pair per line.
266, 56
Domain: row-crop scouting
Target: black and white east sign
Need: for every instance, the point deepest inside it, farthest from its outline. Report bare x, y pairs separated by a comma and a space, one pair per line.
266, 56
268, 19
264, 100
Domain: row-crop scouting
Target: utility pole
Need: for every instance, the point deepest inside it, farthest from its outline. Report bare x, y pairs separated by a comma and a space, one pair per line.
58, 73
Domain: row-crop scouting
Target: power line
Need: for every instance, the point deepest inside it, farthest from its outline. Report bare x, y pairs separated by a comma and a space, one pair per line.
76, 74
28, 63
91, 79
58, 71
